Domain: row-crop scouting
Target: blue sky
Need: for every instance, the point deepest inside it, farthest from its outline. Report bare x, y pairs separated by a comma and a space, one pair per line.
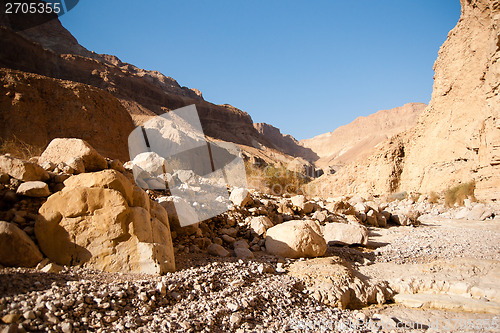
306, 67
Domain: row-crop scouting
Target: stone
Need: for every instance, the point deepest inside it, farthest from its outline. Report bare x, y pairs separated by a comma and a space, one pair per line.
22, 170
344, 233
236, 318
4, 178
217, 250
321, 216
371, 218
361, 207
381, 220
296, 239
228, 239
260, 224
65, 149
241, 243
51, 268
11, 318
96, 227
479, 212
243, 253
399, 218
178, 210
298, 201
16, 247
35, 189
265, 268
76, 164
240, 197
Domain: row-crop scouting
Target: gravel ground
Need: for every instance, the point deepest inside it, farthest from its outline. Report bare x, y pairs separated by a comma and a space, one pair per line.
212, 294
437, 238
206, 294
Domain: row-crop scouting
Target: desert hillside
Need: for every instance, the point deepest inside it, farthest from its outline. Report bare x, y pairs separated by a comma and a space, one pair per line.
358, 138
457, 138
285, 142
51, 53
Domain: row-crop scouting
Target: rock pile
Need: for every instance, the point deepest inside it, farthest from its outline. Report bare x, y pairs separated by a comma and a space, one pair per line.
99, 219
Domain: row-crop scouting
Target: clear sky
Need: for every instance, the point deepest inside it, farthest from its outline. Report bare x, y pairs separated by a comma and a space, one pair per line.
305, 67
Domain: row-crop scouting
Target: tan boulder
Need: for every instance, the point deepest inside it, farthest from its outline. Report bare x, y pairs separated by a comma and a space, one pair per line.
97, 227
63, 150
16, 248
296, 239
22, 170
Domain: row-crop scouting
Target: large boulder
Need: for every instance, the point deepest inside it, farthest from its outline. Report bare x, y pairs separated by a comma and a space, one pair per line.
68, 151
92, 221
16, 248
22, 170
296, 239
345, 233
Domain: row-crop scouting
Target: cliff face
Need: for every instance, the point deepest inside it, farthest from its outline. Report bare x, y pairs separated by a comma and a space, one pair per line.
285, 142
51, 52
37, 109
457, 138
359, 138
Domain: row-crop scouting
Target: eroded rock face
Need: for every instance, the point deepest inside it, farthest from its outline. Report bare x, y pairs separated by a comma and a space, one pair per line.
359, 138
457, 137
93, 221
38, 109
296, 239
16, 248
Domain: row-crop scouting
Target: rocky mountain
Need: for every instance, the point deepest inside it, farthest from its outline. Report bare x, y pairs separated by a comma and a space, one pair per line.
285, 142
53, 55
457, 138
359, 138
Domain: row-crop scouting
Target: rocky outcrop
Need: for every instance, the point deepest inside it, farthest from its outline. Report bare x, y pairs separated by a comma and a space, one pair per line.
457, 137
285, 142
359, 138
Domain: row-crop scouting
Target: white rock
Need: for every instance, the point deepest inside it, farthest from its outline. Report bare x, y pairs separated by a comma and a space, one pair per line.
343, 233
240, 197
35, 189
260, 224
65, 150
